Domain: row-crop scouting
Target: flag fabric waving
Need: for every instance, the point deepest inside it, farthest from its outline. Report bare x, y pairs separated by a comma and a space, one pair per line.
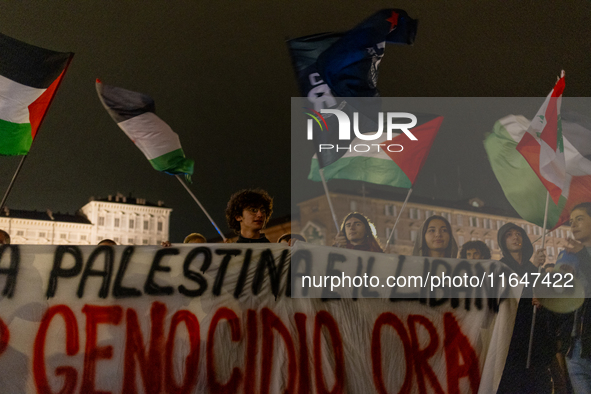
330, 66
347, 63
304, 53
522, 186
542, 144
135, 114
387, 165
350, 65
29, 77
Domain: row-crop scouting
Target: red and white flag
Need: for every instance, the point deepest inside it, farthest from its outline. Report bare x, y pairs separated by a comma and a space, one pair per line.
542, 145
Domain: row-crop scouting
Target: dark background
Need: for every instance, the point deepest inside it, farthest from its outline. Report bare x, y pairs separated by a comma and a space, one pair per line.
221, 77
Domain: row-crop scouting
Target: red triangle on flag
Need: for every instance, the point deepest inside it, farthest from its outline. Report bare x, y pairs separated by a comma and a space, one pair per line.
414, 154
38, 108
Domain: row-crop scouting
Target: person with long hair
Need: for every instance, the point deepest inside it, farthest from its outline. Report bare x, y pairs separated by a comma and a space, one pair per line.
436, 239
358, 233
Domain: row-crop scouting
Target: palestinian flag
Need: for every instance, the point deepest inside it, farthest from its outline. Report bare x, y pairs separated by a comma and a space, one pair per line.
29, 78
135, 114
542, 144
522, 186
389, 165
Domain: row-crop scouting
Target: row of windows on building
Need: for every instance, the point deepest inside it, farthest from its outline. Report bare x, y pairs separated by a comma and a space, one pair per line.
45, 234
416, 213
461, 240
473, 221
73, 237
550, 250
117, 222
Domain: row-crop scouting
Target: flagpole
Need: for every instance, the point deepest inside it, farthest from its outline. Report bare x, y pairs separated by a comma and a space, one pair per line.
334, 215
398, 218
20, 165
533, 319
201, 206
18, 169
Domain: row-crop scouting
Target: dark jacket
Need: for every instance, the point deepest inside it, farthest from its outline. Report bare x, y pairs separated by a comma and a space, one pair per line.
261, 240
527, 250
516, 378
583, 322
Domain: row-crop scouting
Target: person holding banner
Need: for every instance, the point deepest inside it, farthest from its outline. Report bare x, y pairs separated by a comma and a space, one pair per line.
436, 239
517, 250
247, 213
358, 233
4, 238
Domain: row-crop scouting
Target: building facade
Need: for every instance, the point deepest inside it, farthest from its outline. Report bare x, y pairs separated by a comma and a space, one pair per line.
125, 220
45, 228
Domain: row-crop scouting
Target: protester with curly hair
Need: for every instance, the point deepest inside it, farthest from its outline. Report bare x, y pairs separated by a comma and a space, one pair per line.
475, 250
247, 213
358, 233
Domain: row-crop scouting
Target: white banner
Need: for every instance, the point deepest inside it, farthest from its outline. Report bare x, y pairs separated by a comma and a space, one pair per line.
218, 318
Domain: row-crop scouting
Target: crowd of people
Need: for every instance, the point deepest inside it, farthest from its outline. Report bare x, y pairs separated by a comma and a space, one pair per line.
561, 352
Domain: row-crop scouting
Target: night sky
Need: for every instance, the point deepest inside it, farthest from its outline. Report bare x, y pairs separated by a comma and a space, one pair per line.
221, 77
